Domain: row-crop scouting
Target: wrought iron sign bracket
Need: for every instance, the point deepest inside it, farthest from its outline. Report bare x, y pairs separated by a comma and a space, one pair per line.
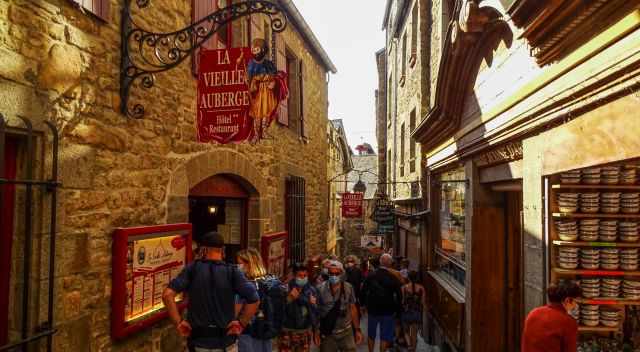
145, 53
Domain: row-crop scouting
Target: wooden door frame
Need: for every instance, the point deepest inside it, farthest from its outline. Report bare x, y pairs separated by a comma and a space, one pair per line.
6, 234
514, 318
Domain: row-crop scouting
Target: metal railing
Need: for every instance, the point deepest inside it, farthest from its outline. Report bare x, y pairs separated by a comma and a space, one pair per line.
28, 137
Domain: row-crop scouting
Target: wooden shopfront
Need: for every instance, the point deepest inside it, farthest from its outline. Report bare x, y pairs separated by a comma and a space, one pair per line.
514, 109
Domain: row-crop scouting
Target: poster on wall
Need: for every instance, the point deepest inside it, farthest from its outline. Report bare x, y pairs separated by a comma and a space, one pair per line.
275, 253
352, 204
239, 91
145, 260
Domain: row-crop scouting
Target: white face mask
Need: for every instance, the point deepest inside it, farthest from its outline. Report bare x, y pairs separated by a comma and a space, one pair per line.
241, 267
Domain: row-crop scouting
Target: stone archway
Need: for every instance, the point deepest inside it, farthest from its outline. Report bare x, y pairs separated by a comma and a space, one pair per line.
220, 161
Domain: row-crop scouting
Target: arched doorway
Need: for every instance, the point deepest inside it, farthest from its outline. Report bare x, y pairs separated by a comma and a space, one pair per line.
221, 203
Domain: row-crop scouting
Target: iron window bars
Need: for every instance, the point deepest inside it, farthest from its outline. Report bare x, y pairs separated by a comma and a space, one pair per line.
46, 329
295, 214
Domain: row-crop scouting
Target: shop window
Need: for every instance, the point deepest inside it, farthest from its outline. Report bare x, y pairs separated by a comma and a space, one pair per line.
450, 246
99, 8
295, 215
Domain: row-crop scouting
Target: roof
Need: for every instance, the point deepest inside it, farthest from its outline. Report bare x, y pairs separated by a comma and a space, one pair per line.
387, 13
295, 17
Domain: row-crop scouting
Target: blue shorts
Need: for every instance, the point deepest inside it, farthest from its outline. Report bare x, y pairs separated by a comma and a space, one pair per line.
387, 327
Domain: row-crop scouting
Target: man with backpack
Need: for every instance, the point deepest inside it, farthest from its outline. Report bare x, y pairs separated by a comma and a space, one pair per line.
339, 316
300, 312
211, 285
383, 298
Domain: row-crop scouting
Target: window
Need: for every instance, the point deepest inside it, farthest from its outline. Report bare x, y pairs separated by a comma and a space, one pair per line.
389, 171
268, 37
224, 34
412, 143
402, 134
222, 38
100, 8
389, 95
450, 248
404, 59
414, 34
295, 215
294, 70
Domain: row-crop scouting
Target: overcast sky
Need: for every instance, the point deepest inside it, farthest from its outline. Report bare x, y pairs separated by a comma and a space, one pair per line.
350, 32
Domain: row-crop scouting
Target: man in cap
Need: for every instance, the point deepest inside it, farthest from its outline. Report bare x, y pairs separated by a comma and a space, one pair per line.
211, 285
339, 317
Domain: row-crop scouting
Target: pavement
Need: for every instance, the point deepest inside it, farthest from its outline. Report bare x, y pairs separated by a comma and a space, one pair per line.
422, 347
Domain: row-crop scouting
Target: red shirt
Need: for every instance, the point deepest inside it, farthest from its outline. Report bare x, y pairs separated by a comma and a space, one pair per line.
550, 329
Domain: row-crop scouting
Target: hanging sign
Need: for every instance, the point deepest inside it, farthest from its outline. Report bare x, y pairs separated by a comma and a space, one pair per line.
238, 94
352, 205
371, 241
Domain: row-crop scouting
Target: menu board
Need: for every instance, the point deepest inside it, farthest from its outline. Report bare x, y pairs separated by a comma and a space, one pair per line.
154, 263
145, 260
275, 249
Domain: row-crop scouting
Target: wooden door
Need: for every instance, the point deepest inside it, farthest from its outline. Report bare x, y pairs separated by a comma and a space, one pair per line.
514, 282
7, 193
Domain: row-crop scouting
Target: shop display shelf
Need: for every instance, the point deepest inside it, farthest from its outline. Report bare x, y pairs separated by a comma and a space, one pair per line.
596, 215
609, 301
597, 329
609, 187
584, 272
597, 244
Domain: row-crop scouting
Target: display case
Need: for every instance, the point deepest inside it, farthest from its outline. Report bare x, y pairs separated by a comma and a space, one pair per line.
593, 235
145, 260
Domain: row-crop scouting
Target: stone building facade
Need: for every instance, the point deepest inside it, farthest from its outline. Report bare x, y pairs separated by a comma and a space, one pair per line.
523, 93
365, 167
60, 63
340, 163
406, 73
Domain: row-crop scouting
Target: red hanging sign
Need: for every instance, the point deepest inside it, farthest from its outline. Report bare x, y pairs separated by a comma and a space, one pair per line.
238, 94
352, 205
223, 96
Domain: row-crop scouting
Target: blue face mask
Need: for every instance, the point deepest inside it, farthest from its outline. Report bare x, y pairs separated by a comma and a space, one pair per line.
334, 279
302, 282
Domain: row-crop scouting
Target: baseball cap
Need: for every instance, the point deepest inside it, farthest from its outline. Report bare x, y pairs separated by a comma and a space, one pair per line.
211, 239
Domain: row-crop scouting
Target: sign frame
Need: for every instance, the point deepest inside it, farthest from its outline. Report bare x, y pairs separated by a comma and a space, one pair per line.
120, 328
265, 243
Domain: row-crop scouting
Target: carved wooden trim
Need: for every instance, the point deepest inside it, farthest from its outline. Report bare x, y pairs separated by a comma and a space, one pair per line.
503, 154
557, 28
468, 39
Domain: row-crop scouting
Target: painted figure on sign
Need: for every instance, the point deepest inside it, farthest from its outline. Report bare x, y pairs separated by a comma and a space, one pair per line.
267, 88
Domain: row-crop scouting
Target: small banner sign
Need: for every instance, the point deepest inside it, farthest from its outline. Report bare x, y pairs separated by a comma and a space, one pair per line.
352, 205
238, 95
371, 241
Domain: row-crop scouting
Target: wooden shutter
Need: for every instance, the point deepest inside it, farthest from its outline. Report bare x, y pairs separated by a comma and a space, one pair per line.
200, 9
281, 65
294, 97
303, 124
100, 8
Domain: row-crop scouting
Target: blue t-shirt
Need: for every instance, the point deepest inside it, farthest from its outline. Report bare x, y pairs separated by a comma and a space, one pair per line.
212, 287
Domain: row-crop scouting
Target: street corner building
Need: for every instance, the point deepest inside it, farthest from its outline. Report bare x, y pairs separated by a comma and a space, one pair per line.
82, 159
529, 153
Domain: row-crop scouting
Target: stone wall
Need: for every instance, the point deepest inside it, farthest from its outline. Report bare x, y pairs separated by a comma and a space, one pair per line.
408, 94
60, 64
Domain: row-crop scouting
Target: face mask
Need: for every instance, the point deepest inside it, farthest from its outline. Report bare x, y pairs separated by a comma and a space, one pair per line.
334, 279
241, 267
302, 282
325, 271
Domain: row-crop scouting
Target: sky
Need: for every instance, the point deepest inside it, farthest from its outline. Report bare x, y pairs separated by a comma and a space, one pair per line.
350, 31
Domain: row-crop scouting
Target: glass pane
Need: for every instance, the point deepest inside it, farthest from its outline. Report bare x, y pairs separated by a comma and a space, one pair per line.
452, 214
455, 272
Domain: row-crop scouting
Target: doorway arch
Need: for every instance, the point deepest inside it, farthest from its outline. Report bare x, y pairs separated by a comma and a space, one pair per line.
234, 167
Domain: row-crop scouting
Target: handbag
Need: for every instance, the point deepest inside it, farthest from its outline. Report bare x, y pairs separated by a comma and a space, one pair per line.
328, 322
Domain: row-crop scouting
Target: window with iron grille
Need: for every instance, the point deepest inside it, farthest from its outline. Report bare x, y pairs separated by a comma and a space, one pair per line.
402, 134
295, 197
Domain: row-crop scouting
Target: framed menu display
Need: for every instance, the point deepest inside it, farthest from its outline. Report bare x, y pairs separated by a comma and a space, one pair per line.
275, 251
145, 260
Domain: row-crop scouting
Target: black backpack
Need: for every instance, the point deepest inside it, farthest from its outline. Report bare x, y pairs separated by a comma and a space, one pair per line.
270, 316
